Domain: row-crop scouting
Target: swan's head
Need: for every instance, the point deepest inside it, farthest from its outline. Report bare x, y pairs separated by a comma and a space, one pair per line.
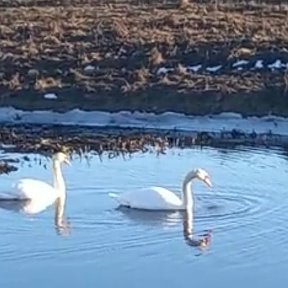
61, 158
202, 175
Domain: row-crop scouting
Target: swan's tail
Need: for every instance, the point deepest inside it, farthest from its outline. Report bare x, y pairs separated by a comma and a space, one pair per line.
114, 196
119, 199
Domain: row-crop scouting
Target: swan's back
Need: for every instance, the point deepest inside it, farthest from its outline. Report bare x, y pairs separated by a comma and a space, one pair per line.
35, 189
152, 198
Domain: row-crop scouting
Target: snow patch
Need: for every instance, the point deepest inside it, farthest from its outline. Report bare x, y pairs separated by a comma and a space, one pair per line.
164, 70
240, 63
50, 96
259, 64
89, 69
276, 65
214, 68
195, 68
165, 121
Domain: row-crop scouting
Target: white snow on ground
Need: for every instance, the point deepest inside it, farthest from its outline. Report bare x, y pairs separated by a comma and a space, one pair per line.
89, 68
259, 64
214, 68
164, 70
168, 120
278, 64
240, 63
51, 96
195, 68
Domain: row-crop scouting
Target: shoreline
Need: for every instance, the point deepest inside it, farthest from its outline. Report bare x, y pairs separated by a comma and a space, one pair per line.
222, 128
221, 122
123, 134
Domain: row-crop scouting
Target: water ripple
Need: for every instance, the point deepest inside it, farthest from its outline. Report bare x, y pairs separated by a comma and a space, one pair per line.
246, 210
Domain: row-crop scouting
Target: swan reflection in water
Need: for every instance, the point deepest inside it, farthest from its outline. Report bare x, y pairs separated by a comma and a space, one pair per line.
31, 207
62, 225
202, 242
168, 219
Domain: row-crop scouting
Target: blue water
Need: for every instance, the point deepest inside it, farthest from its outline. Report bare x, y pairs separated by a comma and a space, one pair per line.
102, 246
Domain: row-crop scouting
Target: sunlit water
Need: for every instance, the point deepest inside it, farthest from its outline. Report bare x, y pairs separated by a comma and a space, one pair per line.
247, 210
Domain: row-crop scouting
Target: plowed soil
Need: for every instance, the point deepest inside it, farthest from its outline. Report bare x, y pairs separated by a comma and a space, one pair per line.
112, 57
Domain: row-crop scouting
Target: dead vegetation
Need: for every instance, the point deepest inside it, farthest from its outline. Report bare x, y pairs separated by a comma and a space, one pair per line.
116, 50
110, 143
44, 84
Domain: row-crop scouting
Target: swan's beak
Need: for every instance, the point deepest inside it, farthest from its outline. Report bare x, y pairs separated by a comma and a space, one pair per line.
207, 182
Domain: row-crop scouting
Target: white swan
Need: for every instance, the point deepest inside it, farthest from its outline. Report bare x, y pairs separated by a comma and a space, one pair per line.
40, 192
158, 198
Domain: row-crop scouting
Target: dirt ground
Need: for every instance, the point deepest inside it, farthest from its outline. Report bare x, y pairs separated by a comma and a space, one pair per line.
107, 57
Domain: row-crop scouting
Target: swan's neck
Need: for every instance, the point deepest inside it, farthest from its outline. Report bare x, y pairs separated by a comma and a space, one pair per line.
58, 180
187, 194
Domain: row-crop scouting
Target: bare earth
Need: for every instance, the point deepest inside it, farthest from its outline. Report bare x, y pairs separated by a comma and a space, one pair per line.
107, 57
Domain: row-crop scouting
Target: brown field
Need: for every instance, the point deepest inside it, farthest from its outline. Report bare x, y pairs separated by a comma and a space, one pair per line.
46, 45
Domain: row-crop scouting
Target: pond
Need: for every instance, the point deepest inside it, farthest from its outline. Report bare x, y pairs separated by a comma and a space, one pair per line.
104, 246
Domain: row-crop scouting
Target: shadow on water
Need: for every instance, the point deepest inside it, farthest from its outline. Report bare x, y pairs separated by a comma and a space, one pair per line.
32, 207
170, 218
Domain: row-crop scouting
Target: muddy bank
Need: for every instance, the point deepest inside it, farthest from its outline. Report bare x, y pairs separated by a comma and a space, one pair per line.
112, 142
198, 60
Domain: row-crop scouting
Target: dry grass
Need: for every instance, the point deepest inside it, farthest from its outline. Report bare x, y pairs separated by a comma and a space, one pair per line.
40, 49
156, 57
44, 84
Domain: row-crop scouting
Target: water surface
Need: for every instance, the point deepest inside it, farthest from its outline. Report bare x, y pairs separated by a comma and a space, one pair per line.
110, 247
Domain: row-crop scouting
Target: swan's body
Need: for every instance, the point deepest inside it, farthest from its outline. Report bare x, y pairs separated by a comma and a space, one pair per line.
159, 198
151, 198
35, 190
39, 193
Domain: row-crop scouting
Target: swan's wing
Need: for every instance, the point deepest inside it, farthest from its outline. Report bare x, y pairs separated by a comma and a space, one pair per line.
152, 198
34, 189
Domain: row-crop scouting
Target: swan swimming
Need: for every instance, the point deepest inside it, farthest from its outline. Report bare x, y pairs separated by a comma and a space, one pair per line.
159, 198
40, 192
